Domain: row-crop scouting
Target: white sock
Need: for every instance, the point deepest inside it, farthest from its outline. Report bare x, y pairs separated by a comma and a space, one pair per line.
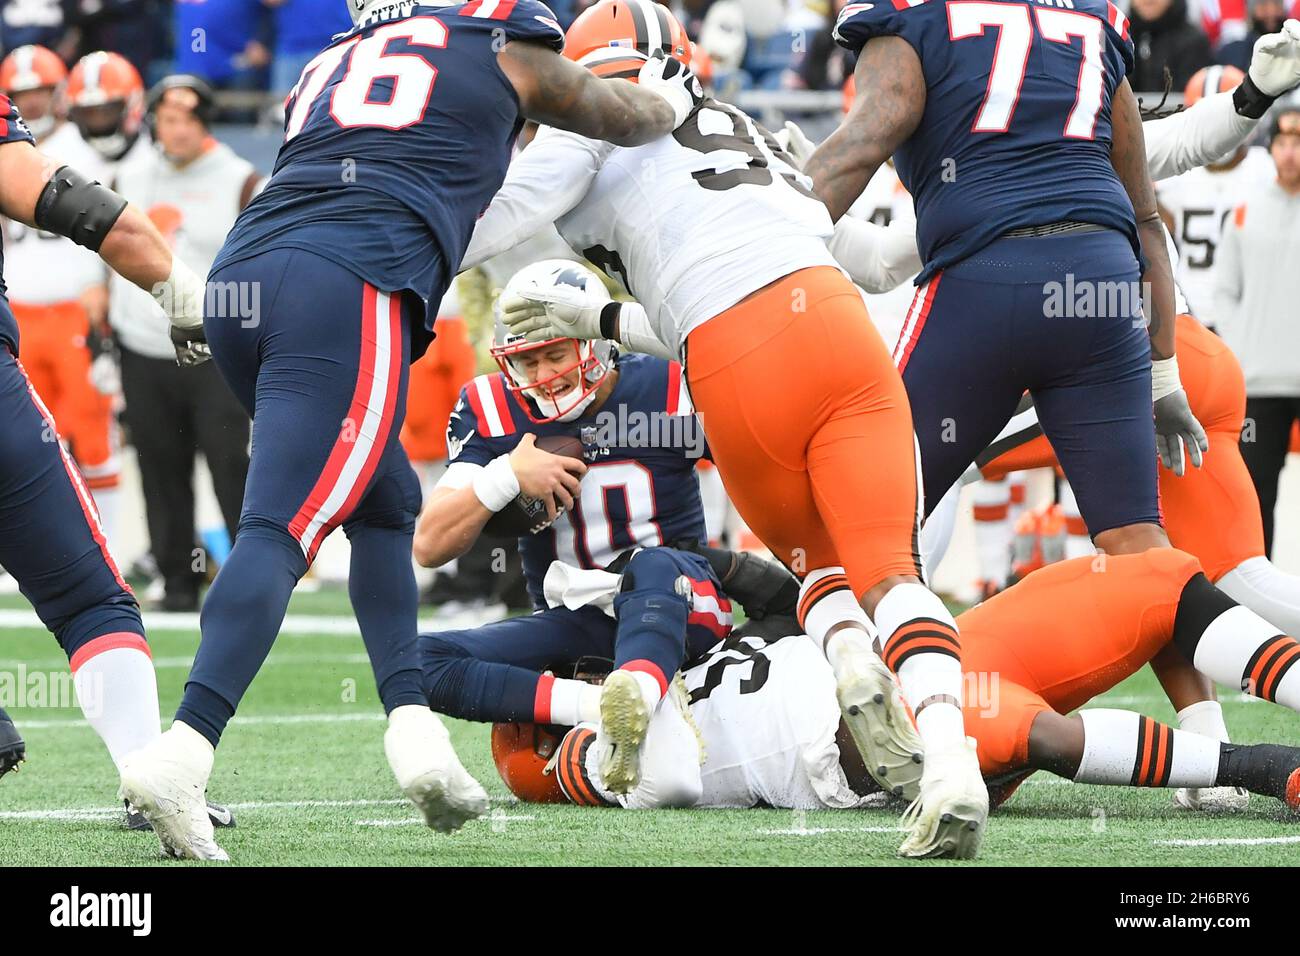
825, 601
118, 692
108, 503
651, 690
993, 530
567, 702
922, 647
1268, 591
1205, 717
1019, 487
1122, 748
1078, 544
1241, 649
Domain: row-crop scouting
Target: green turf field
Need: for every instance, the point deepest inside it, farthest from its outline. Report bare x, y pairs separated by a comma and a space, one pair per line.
303, 766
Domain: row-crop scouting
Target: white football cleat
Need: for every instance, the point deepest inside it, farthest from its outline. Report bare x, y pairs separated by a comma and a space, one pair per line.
1212, 799
877, 718
427, 769
624, 719
167, 781
948, 818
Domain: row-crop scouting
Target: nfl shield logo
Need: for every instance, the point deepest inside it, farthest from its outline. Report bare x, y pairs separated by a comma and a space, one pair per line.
587, 434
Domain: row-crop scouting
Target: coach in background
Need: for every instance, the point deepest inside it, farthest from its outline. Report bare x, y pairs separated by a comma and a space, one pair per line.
192, 188
1256, 296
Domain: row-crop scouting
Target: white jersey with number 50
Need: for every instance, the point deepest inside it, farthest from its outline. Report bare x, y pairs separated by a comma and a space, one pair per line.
690, 224
768, 716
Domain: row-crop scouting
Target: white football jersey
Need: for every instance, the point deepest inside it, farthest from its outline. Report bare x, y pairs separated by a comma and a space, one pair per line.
768, 716
42, 268
1200, 202
690, 224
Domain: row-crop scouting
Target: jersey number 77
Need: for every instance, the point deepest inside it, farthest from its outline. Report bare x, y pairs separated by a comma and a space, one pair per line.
970, 18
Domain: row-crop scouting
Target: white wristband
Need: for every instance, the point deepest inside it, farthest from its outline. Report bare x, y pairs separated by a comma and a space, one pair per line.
496, 485
181, 296
1164, 378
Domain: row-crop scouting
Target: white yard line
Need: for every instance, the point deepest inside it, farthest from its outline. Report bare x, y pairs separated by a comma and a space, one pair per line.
1230, 841
273, 719
295, 624
100, 813
818, 831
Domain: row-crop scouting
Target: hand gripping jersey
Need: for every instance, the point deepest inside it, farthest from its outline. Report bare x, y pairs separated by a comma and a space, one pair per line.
1016, 130
45, 268
12, 130
690, 224
768, 716
396, 137
642, 445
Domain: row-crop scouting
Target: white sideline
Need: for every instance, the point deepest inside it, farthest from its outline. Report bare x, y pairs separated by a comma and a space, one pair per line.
1229, 841
246, 721
100, 813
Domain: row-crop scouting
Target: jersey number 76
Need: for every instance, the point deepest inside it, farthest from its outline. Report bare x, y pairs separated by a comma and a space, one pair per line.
970, 18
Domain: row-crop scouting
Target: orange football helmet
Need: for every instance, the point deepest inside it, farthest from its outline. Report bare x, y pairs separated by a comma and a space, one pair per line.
1210, 80
106, 100
613, 37
521, 753
29, 69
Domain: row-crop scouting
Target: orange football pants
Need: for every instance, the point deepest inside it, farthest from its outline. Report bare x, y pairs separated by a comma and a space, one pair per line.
53, 340
1060, 637
810, 428
1211, 511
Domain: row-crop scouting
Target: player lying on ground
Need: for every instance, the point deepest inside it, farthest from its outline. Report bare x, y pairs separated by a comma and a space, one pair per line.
1034, 654
51, 540
396, 136
722, 242
879, 259
624, 476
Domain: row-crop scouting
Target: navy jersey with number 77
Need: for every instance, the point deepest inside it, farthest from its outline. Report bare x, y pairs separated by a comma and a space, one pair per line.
396, 137
1017, 124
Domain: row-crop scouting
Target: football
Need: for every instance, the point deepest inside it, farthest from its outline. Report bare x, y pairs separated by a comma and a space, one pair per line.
525, 514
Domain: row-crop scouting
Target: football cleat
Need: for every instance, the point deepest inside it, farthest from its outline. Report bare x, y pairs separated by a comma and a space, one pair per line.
624, 719
12, 749
1212, 799
948, 818
219, 815
166, 782
878, 719
427, 769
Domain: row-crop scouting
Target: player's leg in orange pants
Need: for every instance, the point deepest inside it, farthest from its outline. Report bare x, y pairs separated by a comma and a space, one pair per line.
809, 424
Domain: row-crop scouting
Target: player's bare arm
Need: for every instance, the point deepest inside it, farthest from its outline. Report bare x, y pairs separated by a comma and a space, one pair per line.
558, 92
453, 518
887, 109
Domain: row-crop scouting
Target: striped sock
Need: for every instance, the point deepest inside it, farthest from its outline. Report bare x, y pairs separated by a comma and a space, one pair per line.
826, 602
577, 781
1235, 646
1122, 748
923, 649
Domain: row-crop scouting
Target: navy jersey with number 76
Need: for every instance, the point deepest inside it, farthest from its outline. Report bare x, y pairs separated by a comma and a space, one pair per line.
1017, 124
396, 137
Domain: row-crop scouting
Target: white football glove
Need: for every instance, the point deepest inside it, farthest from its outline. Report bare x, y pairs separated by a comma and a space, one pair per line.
104, 374
1176, 427
181, 296
675, 83
1275, 62
560, 312
798, 147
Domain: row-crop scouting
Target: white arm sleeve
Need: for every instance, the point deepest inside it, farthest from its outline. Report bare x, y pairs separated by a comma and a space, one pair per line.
878, 258
459, 474
637, 334
547, 179
1209, 130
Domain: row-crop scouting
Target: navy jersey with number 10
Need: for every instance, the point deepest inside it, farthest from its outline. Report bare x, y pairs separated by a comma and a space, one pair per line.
396, 137
1017, 124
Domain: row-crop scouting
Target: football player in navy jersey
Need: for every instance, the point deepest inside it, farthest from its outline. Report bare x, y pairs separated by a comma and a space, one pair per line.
634, 488
51, 539
396, 136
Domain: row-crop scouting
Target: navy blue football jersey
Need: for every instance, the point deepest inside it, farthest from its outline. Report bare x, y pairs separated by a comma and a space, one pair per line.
396, 137
1017, 124
642, 446
12, 130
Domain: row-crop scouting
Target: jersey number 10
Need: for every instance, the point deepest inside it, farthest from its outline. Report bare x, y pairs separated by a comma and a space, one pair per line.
412, 76
970, 18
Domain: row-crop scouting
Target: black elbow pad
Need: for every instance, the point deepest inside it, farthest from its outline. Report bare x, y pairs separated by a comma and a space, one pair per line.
81, 209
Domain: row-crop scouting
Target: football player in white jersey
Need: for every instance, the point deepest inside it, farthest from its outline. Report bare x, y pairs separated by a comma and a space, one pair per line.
59, 290
724, 246
1196, 203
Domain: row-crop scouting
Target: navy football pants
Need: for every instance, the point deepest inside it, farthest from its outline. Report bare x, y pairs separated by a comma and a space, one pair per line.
50, 537
322, 370
1059, 317
494, 672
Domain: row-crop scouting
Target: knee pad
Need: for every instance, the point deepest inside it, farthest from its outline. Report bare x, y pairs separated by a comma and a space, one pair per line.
652, 568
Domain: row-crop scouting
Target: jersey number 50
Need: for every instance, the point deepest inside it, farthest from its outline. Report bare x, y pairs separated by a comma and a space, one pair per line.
970, 18
411, 74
